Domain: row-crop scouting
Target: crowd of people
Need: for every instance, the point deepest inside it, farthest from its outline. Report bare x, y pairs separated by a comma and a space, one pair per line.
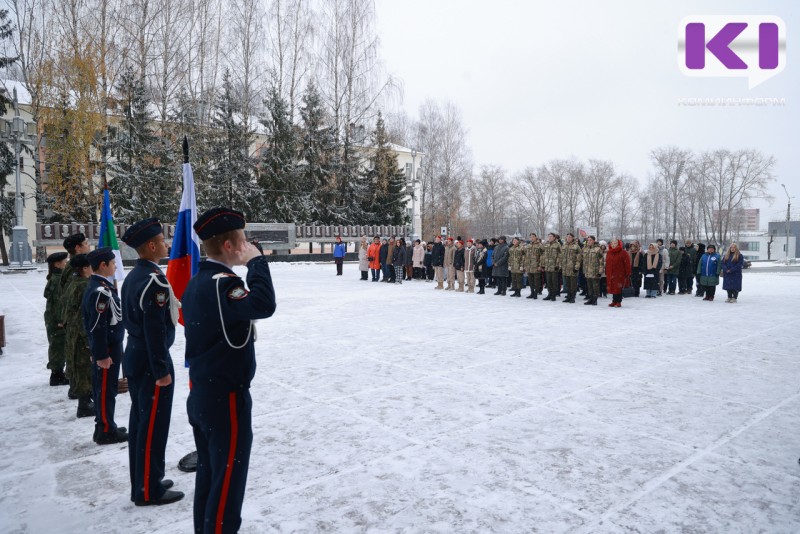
591, 269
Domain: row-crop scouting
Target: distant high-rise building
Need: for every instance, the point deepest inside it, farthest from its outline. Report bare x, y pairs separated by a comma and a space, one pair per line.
743, 220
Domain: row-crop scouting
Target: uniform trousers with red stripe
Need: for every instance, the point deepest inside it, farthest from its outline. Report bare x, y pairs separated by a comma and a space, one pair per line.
104, 391
148, 428
223, 434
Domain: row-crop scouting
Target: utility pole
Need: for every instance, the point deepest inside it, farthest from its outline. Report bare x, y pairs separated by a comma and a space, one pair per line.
788, 219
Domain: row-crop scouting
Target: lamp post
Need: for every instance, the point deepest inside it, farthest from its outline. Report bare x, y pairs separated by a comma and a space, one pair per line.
413, 193
18, 131
788, 218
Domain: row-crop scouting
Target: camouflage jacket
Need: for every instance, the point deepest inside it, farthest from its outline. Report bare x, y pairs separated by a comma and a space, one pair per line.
551, 256
571, 258
71, 304
516, 259
533, 257
52, 292
592, 261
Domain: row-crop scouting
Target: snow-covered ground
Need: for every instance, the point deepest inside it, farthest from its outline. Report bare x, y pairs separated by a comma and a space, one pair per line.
402, 409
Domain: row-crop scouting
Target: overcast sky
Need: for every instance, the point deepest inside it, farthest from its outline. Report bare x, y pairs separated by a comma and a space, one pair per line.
538, 80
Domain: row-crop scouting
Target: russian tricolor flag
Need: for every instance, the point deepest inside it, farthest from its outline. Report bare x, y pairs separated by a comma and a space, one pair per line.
184, 257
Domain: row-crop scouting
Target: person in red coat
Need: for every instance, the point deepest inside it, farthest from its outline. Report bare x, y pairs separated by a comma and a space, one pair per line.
618, 271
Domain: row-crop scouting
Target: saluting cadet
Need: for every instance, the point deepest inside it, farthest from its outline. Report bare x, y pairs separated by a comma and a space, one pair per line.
55, 329
218, 315
149, 314
102, 318
74, 244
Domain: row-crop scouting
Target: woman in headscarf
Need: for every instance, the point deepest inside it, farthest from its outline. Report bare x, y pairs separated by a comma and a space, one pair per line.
637, 266
652, 266
363, 263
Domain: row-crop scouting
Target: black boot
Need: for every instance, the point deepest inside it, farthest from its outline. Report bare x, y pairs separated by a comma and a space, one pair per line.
85, 406
589, 300
532, 295
481, 292
516, 293
57, 378
107, 438
594, 301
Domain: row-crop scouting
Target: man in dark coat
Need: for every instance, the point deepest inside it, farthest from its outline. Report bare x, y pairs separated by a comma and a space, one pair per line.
219, 312
437, 260
150, 313
500, 265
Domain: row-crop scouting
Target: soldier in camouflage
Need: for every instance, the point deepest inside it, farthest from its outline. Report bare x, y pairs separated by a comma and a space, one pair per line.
516, 264
74, 244
55, 330
77, 341
533, 257
592, 258
551, 261
570, 266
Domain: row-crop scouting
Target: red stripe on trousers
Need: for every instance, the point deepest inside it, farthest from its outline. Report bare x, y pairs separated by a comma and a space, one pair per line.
149, 443
103, 400
229, 469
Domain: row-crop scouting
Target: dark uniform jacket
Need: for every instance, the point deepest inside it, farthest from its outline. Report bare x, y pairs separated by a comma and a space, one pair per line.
102, 319
218, 311
437, 255
147, 316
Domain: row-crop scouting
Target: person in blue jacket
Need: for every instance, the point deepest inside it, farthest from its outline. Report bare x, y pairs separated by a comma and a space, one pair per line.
149, 314
102, 319
709, 269
339, 250
490, 283
732, 265
219, 312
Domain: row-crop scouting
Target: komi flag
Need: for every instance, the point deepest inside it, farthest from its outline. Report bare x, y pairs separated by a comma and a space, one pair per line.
108, 235
184, 257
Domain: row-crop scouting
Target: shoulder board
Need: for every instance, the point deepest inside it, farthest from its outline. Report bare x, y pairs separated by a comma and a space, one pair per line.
104, 290
224, 275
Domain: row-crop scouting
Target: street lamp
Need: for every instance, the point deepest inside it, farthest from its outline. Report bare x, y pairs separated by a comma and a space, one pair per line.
413, 193
19, 132
788, 218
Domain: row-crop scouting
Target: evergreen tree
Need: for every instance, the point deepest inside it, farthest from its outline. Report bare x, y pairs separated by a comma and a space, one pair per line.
319, 159
285, 198
232, 168
387, 182
143, 176
6, 157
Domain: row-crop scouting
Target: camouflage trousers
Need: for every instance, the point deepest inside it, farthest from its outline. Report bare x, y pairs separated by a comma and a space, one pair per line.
535, 281
79, 361
593, 285
56, 338
552, 282
516, 281
571, 284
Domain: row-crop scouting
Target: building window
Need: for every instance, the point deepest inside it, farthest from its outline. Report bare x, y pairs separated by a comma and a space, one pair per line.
409, 170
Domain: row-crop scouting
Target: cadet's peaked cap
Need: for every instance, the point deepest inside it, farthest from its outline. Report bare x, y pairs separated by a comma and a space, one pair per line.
141, 232
72, 241
79, 262
99, 255
56, 257
218, 221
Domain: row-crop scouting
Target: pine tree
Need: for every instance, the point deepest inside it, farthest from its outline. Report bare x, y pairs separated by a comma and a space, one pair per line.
386, 180
232, 168
143, 174
285, 199
319, 159
6, 157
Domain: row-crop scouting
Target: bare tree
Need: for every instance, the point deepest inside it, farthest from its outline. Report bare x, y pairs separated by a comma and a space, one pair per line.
489, 200
625, 203
598, 187
536, 197
246, 54
670, 163
167, 69
291, 32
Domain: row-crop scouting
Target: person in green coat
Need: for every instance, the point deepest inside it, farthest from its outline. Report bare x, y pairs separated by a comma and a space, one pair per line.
55, 330
77, 341
708, 269
74, 244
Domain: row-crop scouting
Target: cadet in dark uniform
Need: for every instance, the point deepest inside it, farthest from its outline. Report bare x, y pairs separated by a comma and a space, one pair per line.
102, 318
218, 315
55, 330
149, 313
